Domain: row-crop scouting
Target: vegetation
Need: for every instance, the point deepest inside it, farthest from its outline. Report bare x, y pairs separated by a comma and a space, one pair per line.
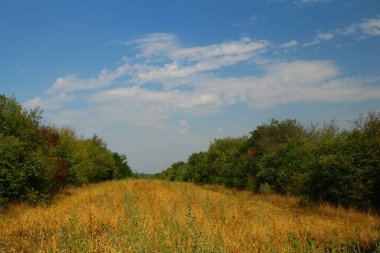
320, 164
38, 160
158, 216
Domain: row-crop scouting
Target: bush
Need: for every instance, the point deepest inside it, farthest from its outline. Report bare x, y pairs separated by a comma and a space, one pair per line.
38, 160
326, 164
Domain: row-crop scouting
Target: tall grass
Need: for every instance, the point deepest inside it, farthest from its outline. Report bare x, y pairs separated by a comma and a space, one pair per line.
155, 216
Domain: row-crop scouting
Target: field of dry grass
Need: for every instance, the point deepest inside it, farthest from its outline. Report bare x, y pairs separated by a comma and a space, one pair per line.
155, 216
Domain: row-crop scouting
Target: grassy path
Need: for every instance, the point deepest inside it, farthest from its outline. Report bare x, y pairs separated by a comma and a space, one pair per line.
154, 216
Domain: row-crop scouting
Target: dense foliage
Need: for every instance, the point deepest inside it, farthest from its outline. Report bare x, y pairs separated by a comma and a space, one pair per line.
37, 160
320, 164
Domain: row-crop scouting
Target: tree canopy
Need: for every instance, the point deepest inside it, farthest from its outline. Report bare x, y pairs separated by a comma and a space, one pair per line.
317, 163
37, 160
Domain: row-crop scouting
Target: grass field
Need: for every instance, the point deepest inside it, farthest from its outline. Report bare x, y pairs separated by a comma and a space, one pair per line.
155, 216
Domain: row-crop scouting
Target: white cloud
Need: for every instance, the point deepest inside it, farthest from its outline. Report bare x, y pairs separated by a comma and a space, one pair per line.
72, 83
149, 108
165, 60
154, 44
282, 82
176, 70
167, 46
370, 26
367, 27
33, 103
307, 81
136, 104
348, 30
311, 43
325, 36
51, 102
289, 44
182, 100
157, 43
321, 36
227, 49
178, 63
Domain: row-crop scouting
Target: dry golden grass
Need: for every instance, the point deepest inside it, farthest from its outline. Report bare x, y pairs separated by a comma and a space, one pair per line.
155, 216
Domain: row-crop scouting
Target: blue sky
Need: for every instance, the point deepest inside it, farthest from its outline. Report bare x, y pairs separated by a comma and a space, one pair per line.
161, 79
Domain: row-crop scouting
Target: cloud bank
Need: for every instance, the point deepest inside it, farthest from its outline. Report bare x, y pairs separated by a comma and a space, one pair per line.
191, 80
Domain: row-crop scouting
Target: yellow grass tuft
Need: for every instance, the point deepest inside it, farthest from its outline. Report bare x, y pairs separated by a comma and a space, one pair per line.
155, 216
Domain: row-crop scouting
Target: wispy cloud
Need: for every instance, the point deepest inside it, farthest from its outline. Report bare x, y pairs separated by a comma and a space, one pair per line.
149, 108
154, 44
161, 58
366, 27
50, 102
168, 46
289, 44
325, 36
295, 81
282, 82
72, 82
320, 37
311, 43
371, 26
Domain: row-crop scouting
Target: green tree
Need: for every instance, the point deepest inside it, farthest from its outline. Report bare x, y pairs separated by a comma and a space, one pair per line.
37, 160
277, 151
224, 161
197, 167
122, 169
22, 168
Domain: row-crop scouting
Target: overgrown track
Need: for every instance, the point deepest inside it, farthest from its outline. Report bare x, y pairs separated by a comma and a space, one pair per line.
155, 216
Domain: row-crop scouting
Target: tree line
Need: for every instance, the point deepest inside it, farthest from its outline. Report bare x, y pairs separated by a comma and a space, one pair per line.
38, 160
317, 163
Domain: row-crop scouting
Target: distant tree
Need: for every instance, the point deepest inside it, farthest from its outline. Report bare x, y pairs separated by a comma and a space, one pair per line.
223, 158
172, 171
122, 169
320, 164
197, 163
